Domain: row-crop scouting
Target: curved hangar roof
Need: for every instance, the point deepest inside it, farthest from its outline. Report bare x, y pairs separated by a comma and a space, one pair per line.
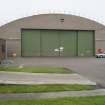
49, 21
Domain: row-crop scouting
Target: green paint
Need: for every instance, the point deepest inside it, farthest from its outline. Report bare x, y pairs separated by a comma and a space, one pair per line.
68, 42
85, 43
30, 43
49, 42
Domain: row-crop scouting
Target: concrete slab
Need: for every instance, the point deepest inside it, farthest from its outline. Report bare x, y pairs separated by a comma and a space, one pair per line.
90, 67
42, 78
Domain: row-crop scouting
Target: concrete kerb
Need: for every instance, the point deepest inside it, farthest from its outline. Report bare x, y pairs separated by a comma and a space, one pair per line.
42, 78
22, 96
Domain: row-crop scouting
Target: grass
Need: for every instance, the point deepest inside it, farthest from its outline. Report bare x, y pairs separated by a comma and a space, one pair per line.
43, 88
36, 69
97, 100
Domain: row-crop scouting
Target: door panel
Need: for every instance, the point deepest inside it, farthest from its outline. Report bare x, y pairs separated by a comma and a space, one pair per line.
49, 43
68, 43
85, 43
30, 43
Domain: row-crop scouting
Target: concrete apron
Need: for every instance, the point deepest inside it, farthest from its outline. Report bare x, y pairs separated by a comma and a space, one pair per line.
42, 78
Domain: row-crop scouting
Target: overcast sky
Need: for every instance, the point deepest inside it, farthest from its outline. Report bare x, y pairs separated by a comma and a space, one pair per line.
14, 9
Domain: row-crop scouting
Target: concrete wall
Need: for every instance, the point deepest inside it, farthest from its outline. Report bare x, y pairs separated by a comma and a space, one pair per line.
12, 31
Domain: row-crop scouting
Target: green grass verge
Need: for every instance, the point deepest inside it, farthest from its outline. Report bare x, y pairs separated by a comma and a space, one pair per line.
43, 88
98, 100
36, 69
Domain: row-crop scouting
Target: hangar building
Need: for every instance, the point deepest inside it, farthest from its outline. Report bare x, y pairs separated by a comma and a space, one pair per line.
53, 35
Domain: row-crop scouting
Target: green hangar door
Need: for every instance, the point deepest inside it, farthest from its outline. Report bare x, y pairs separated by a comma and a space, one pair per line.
49, 43
85, 43
67, 43
30, 43
58, 43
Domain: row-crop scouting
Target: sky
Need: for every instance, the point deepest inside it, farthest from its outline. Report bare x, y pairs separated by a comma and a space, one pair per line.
11, 10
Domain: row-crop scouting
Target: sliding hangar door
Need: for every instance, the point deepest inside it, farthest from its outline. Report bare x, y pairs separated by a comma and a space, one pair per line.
57, 43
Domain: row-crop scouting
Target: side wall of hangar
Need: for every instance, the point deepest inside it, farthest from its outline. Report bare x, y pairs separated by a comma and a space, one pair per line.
53, 35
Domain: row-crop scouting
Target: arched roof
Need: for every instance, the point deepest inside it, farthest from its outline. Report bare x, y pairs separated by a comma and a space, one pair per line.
49, 21
54, 20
